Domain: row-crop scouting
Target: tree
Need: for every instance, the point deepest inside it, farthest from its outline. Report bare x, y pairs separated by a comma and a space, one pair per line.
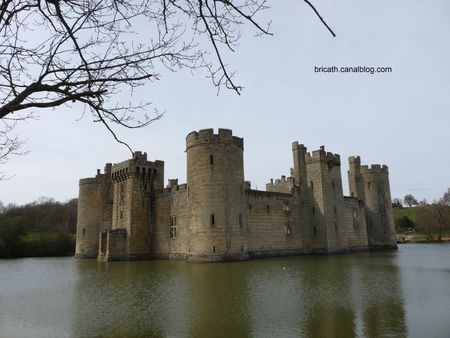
409, 200
85, 53
435, 217
445, 200
11, 231
397, 203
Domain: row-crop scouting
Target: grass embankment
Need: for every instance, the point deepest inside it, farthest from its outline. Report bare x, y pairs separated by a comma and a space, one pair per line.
410, 233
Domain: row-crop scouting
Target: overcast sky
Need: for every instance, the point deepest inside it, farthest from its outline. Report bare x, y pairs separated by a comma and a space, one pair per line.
401, 119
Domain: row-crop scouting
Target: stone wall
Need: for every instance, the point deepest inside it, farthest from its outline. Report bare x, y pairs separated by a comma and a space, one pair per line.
170, 232
272, 228
355, 224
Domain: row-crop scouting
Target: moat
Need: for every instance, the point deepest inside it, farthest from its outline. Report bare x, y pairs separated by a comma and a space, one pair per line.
401, 293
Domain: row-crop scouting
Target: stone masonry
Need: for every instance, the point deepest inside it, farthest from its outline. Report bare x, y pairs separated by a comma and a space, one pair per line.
127, 213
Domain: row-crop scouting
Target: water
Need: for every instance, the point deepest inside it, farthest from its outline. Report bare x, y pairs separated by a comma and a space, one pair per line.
404, 293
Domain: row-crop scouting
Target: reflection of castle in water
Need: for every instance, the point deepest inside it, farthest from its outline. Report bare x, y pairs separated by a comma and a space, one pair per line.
316, 297
126, 213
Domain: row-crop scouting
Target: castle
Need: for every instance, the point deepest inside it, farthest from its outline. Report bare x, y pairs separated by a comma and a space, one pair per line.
127, 213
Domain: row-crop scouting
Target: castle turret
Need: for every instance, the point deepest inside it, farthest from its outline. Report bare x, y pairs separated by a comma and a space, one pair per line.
299, 170
325, 188
215, 179
94, 212
371, 185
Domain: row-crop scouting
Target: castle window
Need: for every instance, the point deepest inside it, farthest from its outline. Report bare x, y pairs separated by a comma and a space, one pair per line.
212, 220
214, 248
173, 221
354, 217
368, 185
240, 220
173, 231
250, 208
268, 208
334, 209
313, 210
121, 215
242, 248
211, 159
122, 195
84, 232
311, 184
287, 229
315, 231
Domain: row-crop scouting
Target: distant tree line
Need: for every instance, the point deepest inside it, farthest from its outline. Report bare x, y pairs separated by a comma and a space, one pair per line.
430, 218
44, 227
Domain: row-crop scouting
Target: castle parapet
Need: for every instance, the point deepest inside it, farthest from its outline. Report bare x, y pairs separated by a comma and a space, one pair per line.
205, 136
296, 146
322, 156
374, 169
138, 166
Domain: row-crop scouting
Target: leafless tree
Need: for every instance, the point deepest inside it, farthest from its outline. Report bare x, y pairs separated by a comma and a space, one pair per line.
87, 52
410, 200
435, 217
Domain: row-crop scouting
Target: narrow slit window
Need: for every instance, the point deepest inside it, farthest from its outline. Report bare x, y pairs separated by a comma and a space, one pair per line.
211, 159
268, 208
212, 220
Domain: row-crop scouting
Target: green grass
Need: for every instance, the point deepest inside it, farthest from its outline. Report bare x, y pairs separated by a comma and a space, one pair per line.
405, 211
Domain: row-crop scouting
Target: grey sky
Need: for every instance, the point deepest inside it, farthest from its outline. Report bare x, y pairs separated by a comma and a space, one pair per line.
400, 119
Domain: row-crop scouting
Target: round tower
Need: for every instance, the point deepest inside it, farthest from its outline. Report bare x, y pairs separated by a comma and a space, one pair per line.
215, 179
378, 206
93, 213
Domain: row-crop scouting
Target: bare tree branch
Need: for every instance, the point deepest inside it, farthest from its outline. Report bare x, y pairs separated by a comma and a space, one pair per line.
89, 53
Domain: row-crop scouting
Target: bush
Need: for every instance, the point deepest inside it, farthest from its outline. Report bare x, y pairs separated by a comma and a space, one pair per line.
404, 222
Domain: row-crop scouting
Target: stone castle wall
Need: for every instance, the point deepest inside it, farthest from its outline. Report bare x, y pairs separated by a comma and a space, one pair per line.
170, 233
126, 213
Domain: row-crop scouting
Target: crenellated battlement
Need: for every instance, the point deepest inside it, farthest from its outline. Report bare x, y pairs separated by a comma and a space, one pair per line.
297, 146
323, 156
173, 188
205, 136
354, 160
138, 166
374, 169
283, 184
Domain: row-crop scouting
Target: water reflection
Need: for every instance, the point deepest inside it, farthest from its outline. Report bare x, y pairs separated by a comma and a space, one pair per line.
345, 296
358, 295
